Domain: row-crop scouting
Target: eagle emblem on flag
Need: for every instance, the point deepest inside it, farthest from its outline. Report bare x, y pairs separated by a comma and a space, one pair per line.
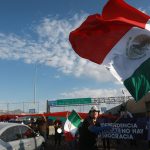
137, 46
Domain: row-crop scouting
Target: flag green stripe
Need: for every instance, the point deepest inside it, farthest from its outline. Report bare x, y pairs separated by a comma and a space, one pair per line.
74, 118
139, 83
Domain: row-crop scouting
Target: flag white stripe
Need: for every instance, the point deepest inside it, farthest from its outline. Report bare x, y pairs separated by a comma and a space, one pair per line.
69, 127
147, 26
118, 62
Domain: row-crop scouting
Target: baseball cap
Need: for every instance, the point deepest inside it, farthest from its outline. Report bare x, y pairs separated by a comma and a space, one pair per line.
94, 108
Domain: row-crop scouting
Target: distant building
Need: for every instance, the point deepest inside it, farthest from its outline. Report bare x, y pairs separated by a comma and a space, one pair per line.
16, 111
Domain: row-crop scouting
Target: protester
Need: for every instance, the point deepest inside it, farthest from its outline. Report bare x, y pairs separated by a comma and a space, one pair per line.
33, 124
88, 139
127, 117
42, 126
124, 113
106, 141
58, 132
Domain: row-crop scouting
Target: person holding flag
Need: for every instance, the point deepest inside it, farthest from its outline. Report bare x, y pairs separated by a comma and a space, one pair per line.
87, 138
71, 128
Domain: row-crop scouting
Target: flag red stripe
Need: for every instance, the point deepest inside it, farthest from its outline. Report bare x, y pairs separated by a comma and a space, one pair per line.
96, 37
119, 8
68, 136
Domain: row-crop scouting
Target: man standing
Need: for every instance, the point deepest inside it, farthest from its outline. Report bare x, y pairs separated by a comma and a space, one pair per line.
58, 132
88, 139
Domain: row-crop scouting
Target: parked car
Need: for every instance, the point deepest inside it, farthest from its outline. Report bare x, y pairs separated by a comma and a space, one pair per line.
14, 136
25, 119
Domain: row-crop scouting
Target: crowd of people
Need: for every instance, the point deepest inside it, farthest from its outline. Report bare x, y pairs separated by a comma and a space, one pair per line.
84, 133
41, 126
88, 133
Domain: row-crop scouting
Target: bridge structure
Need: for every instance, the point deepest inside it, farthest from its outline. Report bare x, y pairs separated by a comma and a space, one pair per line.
84, 104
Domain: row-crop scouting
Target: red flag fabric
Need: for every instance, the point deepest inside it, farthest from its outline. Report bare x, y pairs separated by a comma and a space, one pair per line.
95, 37
120, 9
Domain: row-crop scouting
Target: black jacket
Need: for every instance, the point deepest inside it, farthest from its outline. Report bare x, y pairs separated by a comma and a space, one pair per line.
87, 139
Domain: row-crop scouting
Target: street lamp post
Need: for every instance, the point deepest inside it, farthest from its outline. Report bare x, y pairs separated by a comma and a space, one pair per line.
7, 107
35, 83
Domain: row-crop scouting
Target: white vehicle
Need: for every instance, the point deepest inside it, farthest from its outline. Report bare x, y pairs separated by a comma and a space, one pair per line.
14, 136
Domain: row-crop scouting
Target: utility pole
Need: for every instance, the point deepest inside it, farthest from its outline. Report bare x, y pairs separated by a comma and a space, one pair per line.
35, 83
23, 106
38, 106
7, 107
47, 107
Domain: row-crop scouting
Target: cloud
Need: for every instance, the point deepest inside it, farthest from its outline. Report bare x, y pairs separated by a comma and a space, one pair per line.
143, 10
94, 93
52, 48
57, 76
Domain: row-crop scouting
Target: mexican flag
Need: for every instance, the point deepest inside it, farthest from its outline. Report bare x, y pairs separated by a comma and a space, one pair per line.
71, 125
119, 39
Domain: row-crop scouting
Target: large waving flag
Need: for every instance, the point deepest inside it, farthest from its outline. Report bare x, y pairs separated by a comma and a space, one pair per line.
119, 40
71, 125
